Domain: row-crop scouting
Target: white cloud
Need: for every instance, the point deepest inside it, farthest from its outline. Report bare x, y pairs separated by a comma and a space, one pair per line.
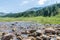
24, 2
41, 2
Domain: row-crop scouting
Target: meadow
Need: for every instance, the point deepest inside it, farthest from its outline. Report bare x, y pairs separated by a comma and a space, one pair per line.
39, 19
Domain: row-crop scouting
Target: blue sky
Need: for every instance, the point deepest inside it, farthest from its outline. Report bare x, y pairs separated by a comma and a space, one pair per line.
22, 5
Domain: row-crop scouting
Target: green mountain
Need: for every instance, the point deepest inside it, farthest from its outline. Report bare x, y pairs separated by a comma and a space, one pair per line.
49, 11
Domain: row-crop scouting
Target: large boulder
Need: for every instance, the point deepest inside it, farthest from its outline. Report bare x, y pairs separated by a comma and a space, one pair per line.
45, 37
50, 31
19, 38
35, 34
8, 36
29, 38
32, 31
25, 32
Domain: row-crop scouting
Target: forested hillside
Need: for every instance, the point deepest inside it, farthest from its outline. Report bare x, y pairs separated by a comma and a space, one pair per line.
49, 11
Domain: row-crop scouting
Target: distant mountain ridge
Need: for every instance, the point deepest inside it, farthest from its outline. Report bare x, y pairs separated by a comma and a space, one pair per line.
2, 14
51, 10
34, 9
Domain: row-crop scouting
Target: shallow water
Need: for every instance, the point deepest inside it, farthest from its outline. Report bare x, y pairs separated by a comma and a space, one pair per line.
7, 26
21, 26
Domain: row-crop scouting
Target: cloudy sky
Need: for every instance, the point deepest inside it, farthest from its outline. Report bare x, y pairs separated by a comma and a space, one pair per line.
22, 5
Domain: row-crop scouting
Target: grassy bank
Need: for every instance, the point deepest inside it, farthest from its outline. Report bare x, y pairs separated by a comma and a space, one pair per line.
39, 19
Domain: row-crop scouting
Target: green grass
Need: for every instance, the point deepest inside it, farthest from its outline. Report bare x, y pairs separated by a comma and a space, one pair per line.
39, 19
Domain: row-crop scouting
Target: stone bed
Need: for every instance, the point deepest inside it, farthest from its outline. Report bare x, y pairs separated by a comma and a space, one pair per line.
25, 27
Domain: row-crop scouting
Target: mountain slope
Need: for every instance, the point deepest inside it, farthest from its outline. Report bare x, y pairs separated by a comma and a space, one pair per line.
51, 10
